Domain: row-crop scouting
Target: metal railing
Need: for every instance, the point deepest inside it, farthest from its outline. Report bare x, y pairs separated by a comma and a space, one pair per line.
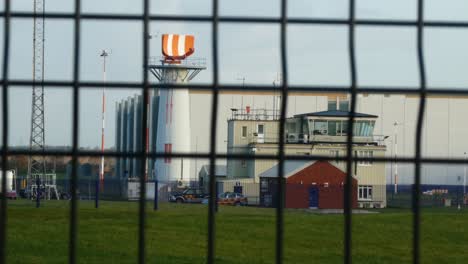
260, 114
189, 61
283, 21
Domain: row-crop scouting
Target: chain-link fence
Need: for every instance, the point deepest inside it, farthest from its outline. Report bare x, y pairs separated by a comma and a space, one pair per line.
83, 188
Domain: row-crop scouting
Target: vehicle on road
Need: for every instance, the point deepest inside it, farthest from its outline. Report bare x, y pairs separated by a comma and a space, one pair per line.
231, 198
190, 195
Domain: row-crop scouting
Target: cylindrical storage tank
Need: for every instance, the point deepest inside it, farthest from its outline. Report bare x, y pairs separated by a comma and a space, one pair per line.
123, 139
9, 181
137, 134
130, 135
118, 121
173, 133
154, 131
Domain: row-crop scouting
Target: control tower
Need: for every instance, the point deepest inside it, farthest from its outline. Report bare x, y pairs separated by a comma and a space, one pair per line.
173, 126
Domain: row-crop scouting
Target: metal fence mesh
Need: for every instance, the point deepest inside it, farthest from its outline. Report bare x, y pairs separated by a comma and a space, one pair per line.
215, 87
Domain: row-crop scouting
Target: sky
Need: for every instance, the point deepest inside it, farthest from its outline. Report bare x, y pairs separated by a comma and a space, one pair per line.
317, 54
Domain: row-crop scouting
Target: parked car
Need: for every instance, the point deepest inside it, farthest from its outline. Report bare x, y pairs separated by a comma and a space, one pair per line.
190, 195
231, 198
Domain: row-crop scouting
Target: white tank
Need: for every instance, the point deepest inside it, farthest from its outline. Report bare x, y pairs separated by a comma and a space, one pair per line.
9, 180
173, 132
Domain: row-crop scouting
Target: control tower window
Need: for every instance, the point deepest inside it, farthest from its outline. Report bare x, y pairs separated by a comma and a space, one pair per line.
320, 127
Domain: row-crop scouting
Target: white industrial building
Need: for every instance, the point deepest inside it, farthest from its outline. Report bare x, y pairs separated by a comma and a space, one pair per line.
444, 129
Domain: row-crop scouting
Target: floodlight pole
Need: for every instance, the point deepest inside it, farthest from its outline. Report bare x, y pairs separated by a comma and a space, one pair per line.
147, 121
464, 178
104, 55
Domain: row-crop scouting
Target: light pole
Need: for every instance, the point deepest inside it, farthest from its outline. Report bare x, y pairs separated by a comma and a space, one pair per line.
395, 125
147, 123
104, 55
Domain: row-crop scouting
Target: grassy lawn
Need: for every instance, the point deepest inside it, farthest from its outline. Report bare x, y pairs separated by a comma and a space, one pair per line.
178, 234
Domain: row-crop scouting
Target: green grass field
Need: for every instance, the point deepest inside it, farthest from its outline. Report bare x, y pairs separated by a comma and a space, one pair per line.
178, 234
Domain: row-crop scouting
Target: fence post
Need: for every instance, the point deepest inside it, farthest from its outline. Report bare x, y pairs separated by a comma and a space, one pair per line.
216, 197
155, 195
96, 196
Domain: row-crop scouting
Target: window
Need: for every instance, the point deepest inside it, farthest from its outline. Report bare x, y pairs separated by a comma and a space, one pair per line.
364, 128
304, 126
336, 154
343, 129
320, 127
244, 131
291, 126
332, 105
333, 127
365, 154
365, 192
344, 105
260, 129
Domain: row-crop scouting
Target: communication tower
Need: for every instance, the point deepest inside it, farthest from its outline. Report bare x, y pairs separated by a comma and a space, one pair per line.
173, 128
39, 180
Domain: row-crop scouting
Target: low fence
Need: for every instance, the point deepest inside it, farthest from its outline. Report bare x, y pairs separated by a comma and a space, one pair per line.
381, 196
431, 196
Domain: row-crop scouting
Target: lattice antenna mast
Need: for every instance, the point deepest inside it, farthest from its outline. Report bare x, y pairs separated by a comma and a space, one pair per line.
37, 164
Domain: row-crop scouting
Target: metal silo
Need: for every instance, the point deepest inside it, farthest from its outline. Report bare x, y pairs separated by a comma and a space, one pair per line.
153, 133
137, 129
123, 139
118, 132
130, 124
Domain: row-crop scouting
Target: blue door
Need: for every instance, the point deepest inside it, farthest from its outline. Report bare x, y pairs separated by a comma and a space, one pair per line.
313, 197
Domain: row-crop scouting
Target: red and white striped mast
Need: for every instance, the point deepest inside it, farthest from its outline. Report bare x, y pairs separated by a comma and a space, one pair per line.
104, 54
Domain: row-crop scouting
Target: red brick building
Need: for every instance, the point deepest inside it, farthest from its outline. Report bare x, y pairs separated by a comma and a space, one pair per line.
316, 184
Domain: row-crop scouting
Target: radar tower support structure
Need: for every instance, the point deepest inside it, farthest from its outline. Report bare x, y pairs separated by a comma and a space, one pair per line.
173, 128
39, 181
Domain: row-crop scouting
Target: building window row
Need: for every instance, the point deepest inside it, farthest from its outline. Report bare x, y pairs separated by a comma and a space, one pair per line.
364, 192
362, 128
365, 154
336, 155
260, 130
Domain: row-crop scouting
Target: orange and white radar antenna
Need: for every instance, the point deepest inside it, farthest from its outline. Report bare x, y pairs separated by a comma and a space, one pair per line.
177, 47
174, 67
